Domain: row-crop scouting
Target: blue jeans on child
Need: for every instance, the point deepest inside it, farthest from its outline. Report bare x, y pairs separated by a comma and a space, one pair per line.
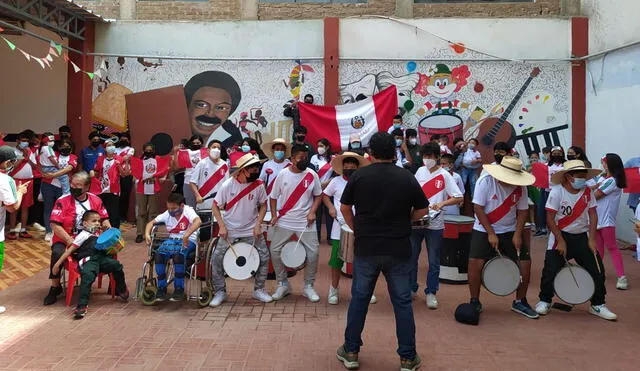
172, 249
433, 239
50, 194
469, 176
64, 179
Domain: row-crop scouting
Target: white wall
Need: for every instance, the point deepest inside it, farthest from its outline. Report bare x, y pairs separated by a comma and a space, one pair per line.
611, 23
31, 97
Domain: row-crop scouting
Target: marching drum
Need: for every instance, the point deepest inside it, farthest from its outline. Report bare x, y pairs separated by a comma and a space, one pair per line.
347, 240
440, 124
293, 255
573, 284
241, 261
266, 229
501, 276
110, 241
454, 256
425, 222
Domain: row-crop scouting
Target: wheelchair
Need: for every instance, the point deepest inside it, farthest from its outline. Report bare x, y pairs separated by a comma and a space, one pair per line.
198, 270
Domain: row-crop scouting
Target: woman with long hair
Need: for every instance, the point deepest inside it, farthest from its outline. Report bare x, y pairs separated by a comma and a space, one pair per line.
577, 153
321, 163
607, 201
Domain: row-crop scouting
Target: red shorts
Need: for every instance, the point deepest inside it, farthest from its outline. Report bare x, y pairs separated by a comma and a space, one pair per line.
27, 198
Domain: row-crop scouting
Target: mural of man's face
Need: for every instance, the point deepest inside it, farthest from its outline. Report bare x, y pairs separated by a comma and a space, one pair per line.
209, 108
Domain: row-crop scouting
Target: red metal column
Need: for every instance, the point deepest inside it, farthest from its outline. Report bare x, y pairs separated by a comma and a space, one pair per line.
579, 48
80, 87
331, 61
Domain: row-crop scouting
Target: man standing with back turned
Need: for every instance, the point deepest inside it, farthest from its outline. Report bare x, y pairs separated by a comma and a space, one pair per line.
386, 198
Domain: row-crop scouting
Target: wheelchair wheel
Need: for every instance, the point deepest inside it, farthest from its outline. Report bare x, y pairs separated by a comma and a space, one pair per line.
206, 294
148, 296
209, 267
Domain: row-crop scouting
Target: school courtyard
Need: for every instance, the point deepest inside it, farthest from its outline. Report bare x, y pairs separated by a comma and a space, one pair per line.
294, 334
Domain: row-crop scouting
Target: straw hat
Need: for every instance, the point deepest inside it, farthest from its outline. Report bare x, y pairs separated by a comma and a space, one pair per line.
240, 160
336, 162
573, 165
510, 171
267, 147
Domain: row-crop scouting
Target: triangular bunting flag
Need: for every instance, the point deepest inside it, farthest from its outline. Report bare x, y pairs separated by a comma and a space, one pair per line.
97, 73
49, 58
39, 61
66, 57
46, 61
11, 45
90, 75
103, 64
75, 67
1, 29
58, 48
52, 51
26, 55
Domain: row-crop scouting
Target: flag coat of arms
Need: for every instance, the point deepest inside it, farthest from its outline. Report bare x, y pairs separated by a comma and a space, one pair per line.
337, 123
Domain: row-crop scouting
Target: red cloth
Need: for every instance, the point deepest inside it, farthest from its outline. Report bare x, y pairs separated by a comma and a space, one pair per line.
540, 170
633, 180
113, 174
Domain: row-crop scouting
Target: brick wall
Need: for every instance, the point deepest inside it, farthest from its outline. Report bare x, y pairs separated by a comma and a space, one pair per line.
212, 10
104, 8
313, 11
538, 8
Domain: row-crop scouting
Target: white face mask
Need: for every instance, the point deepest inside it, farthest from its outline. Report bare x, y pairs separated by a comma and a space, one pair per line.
429, 162
51, 144
413, 141
214, 153
321, 151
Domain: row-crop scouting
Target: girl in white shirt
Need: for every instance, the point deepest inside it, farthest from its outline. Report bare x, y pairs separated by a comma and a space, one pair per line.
321, 162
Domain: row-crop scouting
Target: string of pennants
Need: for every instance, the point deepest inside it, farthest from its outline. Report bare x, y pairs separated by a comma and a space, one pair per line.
55, 50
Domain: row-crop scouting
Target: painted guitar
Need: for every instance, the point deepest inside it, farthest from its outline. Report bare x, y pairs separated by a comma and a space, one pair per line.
493, 130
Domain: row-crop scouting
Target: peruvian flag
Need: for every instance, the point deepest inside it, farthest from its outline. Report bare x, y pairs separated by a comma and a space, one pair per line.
633, 180
540, 170
337, 123
188, 158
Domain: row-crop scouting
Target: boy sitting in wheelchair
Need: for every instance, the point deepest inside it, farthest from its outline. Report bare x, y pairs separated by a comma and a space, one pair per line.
181, 222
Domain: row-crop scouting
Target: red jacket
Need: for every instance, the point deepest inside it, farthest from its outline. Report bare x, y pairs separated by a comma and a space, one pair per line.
64, 213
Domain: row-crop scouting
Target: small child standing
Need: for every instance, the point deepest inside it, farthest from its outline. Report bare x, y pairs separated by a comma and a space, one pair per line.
49, 161
91, 262
446, 162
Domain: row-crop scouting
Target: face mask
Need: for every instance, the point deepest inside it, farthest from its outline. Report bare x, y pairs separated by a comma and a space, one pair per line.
91, 229
302, 165
148, 154
471, 146
252, 177
245, 148
23, 144
279, 155
9, 167
571, 157
413, 141
95, 143
196, 147
398, 142
110, 150
579, 183
321, 150
533, 160
300, 138
429, 162
556, 159
75, 192
175, 212
123, 143
214, 153
51, 144
498, 158
355, 145
543, 158
348, 172
447, 168
397, 126
65, 151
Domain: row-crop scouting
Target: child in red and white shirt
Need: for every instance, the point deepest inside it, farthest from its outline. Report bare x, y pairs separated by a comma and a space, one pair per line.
22, 173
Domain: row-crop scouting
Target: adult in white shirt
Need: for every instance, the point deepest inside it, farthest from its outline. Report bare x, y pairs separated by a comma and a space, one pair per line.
278, 151
321, 163
294, 199
501, 208
441, 190
244, 199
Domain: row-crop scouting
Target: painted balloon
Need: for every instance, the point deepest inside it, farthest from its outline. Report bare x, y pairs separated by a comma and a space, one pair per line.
478, 87
411, 66
408, 105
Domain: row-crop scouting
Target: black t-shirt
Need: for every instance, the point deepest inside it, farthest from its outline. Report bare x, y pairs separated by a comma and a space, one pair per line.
384, 196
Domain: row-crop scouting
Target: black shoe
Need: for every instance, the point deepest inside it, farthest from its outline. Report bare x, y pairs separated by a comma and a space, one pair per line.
161, 294
178, 295
52, 296
123, 295
80, 311
477, 303
139, 238
541, 232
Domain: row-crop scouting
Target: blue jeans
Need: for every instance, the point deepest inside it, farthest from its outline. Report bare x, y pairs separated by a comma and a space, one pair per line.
50, 194
541, 212
433, 239
63, 179
469, 176
365, 274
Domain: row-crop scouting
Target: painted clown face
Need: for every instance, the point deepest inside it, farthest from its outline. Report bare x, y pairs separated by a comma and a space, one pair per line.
441, 85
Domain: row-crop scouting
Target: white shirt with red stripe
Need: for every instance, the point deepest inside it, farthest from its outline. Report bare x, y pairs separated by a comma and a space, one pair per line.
491, 194
609, 203
334, 189
46, 153
275, 169
204, 170
455, 209
242, 217
563, 203
554, 168
286, 183
125, 151
441, 187
23, 169
189, 159
177, 227
322, 166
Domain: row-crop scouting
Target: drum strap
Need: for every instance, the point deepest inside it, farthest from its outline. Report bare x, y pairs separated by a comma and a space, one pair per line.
577, 210
502, 210
270, 186
213, 180
243, 193
323, 170
297, 193
433, 186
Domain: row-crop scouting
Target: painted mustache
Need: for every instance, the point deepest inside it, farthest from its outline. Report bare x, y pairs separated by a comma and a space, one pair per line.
205, 120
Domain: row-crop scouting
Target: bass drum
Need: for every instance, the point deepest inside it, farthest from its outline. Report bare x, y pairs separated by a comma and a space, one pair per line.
565, 286
449, 125
241, 261
501, 276
293, 255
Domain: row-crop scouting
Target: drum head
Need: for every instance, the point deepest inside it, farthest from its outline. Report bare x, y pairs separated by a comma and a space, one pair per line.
501, 276
566, 289
292, 256
440, 121
243, 264
459, 219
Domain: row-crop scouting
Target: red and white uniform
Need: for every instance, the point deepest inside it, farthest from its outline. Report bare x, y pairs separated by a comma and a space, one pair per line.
324, 167
240, 202
438, 186
334, 189
188, 159
46, 153
125, 151
107, 175
63, 161
270, 170
607, 206
554, 168
67, 211
455, 209
177, 227
209, 176
500, 203
572, 211
148, 173
23, 173
295, 194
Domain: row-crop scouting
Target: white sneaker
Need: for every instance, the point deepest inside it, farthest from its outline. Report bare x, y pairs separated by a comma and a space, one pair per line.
48, 237
19, 227
38, 227
261, 294
373, 299
333, 296
218, 298
310, 293
40, 198
281, 291
622, 283
2, 309
432, 302
603, 312
542, 307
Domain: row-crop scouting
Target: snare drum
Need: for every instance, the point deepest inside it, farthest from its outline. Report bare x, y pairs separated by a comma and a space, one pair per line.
501, 276
293, 255
241, 261
565, 287
454, 256
110, 241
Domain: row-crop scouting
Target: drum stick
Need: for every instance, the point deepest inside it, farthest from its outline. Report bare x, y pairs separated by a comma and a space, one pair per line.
595, 257
571, 271
232, 249
299, 238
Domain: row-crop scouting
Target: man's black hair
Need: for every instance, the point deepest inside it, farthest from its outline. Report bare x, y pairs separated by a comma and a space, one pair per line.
308, 96
350, 160
94, 134
89, 213
300, 130
175, 198
411, 133
295, 148
397, 133
431, 148
397, 117
64, 129
502, 146
383, 146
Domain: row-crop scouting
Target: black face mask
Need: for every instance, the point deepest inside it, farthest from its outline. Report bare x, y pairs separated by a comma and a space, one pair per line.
556, 159
95, 143
498, 158
123, 143
65, 135
252, 177
196, 147
302, 165
75, 192
572, 157
149, 154
65, 151
348, 172
300, 138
